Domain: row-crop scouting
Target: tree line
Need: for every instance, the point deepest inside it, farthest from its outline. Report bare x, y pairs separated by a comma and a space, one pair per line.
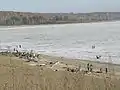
26, 18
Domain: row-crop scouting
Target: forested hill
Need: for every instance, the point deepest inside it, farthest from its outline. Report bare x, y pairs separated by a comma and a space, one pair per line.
28, 18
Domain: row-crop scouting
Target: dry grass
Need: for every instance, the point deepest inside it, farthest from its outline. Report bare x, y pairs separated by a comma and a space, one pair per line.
16, 75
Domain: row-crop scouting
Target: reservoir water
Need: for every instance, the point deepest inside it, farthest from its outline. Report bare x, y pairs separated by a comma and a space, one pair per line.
69, 40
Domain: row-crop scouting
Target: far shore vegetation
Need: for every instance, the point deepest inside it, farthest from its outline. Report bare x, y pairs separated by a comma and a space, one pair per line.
8, 18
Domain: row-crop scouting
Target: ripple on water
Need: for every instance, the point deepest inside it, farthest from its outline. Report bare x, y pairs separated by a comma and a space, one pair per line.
72, 41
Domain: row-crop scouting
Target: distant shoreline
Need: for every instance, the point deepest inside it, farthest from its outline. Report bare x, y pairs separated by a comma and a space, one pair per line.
30, 26
11, 18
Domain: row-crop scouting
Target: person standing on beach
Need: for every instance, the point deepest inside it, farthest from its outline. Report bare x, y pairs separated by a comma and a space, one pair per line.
100, 70
106, 70
91, 67
88, 66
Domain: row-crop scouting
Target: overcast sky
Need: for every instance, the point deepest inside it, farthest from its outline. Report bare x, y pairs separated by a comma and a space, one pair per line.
60, 5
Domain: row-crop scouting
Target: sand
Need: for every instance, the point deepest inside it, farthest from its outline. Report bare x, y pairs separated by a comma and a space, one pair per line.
50, 74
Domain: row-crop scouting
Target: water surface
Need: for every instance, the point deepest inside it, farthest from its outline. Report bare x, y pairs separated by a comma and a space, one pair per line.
71, 40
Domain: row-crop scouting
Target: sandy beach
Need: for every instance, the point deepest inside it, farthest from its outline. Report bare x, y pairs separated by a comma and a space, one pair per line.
61, 62
50, 73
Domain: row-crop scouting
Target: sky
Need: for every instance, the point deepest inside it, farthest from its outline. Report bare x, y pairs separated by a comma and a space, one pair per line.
76, 6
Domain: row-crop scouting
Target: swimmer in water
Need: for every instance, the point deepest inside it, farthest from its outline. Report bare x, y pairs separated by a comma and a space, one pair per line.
98, 57
93, 46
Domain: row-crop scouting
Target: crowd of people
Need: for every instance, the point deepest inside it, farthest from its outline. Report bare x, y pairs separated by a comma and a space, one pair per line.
31, 56
90, 68
16, 51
